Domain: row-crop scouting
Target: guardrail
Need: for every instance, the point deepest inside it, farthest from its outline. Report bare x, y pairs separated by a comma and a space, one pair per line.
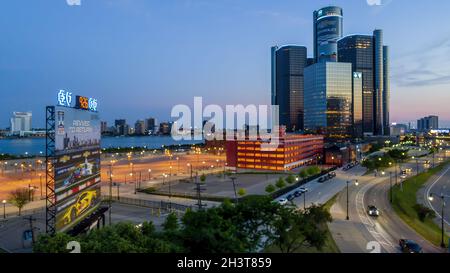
159, 205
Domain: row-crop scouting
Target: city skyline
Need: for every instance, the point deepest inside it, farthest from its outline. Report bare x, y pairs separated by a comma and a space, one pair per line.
197, 53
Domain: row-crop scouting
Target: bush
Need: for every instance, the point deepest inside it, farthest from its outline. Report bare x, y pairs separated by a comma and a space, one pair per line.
280, 183
424, 212
270, 188
242, 192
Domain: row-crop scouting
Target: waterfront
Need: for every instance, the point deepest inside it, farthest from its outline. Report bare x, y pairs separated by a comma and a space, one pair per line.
34, 146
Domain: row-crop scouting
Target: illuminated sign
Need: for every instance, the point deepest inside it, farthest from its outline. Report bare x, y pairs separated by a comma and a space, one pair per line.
357, 75
64, 98
84, 103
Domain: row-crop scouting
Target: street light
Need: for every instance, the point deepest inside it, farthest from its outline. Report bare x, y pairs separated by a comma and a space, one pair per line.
390, 184
431, 198
4, 209
149, 174
356, 184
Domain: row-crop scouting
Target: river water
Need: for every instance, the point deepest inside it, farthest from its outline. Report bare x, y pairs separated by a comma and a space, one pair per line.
35, 146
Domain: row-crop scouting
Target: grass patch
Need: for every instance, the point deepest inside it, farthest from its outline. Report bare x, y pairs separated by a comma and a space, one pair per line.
329, 247
404, 202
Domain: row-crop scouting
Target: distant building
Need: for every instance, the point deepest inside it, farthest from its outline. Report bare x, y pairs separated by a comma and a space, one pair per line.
139, 127
428, 123
288, 64
151, 127
104, 127
328, 99
121, 127
165, 128
293, 150
21, 123
398, 129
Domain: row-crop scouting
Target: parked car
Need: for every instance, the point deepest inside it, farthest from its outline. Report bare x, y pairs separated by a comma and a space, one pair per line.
303, 190
322, 179
290, 197
403, 176
298, 193
373, 211
331, 175
283, 201
409, 246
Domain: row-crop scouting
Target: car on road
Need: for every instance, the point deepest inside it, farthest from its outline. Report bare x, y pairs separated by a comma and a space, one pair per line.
283, 201
298, 193
323, 179
403, 176
409, 246
373, 211
290, 197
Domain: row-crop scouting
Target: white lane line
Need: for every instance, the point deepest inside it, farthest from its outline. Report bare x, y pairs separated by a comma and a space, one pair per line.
427, 193
375, 230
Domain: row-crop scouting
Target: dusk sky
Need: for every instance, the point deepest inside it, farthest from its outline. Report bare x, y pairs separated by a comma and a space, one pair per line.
141, 57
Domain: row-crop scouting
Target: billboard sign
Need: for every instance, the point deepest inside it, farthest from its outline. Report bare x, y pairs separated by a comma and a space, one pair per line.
77, 159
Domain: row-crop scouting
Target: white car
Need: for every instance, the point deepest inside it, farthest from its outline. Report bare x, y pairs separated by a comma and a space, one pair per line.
403, 176
283, 201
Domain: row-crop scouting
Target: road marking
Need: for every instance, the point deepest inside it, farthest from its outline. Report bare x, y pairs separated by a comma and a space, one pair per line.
374, 229
427, 193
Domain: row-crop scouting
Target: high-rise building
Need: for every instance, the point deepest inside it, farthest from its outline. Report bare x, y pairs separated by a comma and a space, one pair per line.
328, 29
428, 123
358, 50
103, 127
368, 56
357, 105
21, 122
139, 127
150, 125
121, 127
288, 64
328, 99
386, 90
378, 81
165, 128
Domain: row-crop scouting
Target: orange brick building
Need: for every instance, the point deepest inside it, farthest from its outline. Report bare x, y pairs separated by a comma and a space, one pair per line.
293, 151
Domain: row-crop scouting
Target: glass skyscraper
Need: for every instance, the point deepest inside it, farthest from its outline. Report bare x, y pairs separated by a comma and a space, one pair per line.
288, 64
328, 99
358, 50
386, 91
328, 29
378, 81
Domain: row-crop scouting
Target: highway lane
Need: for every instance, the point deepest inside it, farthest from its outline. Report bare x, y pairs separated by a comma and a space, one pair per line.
437, 186
353, 236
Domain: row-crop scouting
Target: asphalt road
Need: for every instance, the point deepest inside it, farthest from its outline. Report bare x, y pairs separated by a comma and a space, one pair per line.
363, 234
438, 186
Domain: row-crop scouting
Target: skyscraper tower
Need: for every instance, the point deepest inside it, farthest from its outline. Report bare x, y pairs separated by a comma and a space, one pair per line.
358, 50
328, 29
288, 63
378, 81
386, 90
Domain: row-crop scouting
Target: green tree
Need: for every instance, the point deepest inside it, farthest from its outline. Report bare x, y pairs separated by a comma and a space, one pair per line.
290, 179
19, 198
295, 229
171, 223
270, 188
52, 244
203, 178
280, 183
303, 174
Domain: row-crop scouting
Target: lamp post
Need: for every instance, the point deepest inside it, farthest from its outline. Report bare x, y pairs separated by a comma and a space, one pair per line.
4, 209
149, 174
40, 184
356, 184
431, 198
233, 178
304, 198
390, 186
